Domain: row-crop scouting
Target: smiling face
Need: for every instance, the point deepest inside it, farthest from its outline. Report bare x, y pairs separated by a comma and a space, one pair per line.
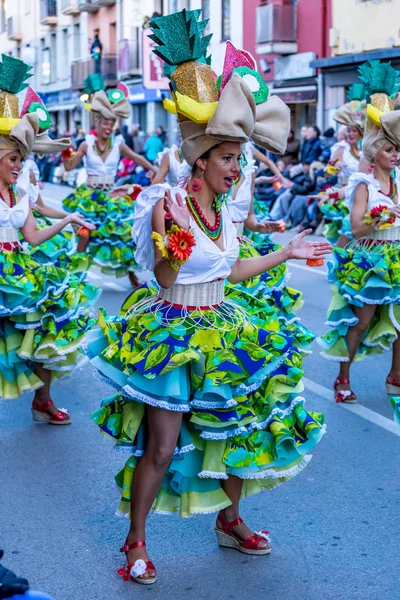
353, 136
10, 168
105, 128
222, 167
386, 158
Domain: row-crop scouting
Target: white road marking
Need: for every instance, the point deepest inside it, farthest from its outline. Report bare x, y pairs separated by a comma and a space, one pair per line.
313, 270
357, 409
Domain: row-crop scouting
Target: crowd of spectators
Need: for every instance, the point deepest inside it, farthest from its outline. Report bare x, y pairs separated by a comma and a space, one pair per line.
300, 176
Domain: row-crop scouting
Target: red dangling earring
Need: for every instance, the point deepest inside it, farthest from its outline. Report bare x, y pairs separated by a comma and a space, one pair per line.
197, 183
371, 168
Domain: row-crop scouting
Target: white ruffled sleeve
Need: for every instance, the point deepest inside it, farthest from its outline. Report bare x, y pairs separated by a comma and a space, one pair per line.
26, 187
142, 227
354, 182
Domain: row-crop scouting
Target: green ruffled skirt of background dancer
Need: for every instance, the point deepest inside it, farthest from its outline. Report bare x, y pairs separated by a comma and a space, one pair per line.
111, 245
363, 275
236, 384
45, 313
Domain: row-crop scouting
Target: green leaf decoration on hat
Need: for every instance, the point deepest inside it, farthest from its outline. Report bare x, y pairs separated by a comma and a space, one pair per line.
179, 37
356, 92
115, 96
255, 82
13, 74
379, 78
94, 83
43, 115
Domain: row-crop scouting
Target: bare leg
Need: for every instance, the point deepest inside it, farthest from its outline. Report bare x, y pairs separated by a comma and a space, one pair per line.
354, 337
395, 368
233, 489
163, 428
83, 243
343, 241
133, 279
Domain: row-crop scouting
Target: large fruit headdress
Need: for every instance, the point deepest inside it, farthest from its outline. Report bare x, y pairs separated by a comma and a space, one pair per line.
383, 122
352, 113
233, 108
106, 105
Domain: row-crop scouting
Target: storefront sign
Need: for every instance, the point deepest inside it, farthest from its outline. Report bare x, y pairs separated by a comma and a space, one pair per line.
296, 95
153, 66
295, 66
139, 95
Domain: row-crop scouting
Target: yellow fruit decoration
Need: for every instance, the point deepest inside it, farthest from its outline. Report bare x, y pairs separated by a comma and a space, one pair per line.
169, 105
374, 115
6, 125
198, 112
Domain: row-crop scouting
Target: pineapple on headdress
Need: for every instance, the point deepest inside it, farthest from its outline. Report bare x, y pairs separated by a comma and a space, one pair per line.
382, 84
13, 75
181, 45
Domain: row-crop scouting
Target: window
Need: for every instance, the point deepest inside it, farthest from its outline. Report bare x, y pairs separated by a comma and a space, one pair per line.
53, 57
77, 41
226, 20
27, 7
46, 66
3, 20
173, 6
65, 52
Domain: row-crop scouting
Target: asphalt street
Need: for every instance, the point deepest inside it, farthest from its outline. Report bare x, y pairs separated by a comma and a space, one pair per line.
334, 528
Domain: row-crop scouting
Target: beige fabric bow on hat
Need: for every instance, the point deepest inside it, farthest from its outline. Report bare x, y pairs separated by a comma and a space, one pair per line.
237, 119
104, 109
46, 145
22, 136
349, 115
389, 131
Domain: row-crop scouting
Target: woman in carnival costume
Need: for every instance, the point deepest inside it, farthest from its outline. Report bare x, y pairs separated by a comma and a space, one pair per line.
344, 162
110, 245
44, 309
170, 162
364, 312
60, 250
207, 403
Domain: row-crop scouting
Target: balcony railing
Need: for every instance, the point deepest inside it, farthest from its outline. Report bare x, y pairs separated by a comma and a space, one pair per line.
69, 7
48, 12
14, 29
80, 69
101, 3
88, 6
276, 29
130, 60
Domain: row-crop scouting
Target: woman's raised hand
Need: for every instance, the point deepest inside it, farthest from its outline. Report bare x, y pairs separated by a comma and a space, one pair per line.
301, 249
119, 192
178, 210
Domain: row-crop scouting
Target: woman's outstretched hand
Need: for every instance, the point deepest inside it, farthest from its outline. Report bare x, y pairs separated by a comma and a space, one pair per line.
77, 219
178, 210
119, 192
300, 249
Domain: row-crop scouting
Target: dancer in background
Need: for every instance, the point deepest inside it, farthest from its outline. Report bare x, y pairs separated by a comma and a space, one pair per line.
110, 245
208, 402
345, 161
45, 310
365, 312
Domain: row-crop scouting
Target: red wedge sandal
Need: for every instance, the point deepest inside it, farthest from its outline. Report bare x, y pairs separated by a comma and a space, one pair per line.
41, 413
135, 571
344, 396
227, 539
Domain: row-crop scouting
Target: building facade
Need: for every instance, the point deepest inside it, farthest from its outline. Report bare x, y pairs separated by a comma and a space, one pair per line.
359, 30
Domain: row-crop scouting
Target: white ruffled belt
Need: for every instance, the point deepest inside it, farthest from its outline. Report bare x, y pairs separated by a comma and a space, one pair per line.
386, 235
100, 181
8, 234
198, 295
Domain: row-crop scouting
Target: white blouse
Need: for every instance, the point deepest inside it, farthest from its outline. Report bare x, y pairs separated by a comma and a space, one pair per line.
352, 164
95, 165
207, 261
375, 197
174, 165
240, 201
16, 216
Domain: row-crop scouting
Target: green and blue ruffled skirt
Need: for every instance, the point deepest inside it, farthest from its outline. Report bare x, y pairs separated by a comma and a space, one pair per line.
45, 314
268, 295
111, 246
363, 274
337, 220
236, 384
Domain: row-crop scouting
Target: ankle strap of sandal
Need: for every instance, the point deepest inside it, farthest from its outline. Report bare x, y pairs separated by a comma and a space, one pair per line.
128, 547
228, 526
